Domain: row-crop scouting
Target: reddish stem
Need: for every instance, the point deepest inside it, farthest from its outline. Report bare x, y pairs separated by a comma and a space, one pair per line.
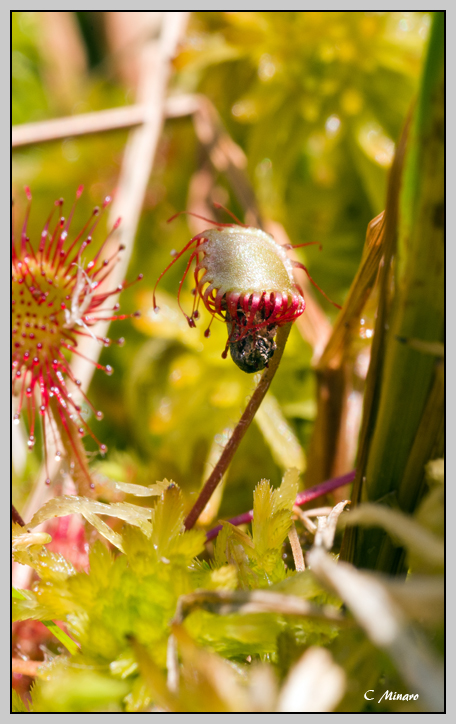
240, 429
25, 667
16, 517
305, 496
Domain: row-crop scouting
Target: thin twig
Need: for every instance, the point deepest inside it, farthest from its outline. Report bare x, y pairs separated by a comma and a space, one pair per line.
248, 602
86, 124
326, 527
136, 168
304, 516
296, 549
240, 429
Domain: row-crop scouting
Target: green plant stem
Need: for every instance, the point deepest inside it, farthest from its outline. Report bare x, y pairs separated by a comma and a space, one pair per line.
240, 429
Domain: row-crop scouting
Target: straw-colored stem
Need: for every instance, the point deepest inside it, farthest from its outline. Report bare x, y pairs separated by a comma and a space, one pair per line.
296, 549
84, 124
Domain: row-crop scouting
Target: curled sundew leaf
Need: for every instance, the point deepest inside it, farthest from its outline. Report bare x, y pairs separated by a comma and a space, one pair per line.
90, 510
419, 542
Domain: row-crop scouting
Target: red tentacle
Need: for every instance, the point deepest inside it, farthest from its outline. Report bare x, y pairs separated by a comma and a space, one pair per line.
219, 206
196, 238
197, 216
298, 265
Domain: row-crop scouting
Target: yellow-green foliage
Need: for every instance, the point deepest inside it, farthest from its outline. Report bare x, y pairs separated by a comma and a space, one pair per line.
133, 596
258, 558
315, 102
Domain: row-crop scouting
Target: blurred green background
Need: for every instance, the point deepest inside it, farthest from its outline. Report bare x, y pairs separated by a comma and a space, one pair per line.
316, 100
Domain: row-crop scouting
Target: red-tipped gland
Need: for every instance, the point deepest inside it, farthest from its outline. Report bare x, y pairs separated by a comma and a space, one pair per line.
55, 301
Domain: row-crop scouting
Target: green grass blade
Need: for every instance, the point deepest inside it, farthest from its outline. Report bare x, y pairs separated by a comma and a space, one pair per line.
406, 374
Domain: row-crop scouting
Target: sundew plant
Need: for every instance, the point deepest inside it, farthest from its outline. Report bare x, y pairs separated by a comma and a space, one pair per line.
227, 362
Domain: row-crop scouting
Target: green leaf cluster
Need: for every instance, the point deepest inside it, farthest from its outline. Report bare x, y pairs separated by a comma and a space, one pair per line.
258, 557
129, 600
